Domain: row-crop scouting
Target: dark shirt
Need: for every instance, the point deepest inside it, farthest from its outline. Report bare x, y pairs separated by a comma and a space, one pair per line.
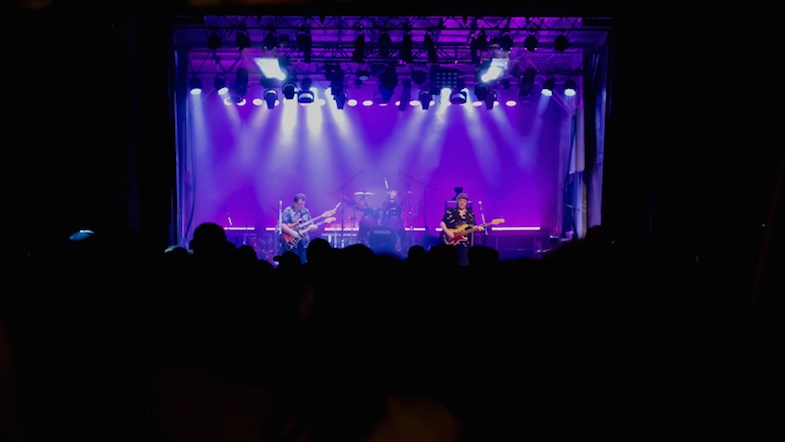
452, 219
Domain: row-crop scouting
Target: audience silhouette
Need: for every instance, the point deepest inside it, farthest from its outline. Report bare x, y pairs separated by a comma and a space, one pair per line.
356, 346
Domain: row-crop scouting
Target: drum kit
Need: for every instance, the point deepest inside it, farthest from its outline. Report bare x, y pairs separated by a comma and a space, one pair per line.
381, 228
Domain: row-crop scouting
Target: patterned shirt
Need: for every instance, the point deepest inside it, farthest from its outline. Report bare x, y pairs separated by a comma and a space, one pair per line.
290, 217
452, 219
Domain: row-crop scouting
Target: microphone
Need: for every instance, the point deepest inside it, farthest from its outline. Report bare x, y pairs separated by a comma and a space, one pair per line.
482, 215
386, 186
228, 218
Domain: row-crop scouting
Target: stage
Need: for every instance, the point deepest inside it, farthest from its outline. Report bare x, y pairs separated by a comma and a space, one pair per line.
512, 242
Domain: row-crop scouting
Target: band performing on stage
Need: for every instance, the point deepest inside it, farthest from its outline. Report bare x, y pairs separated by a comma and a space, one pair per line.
387, 227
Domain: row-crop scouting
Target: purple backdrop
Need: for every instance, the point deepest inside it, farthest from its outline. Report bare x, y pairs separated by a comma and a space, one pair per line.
240, 161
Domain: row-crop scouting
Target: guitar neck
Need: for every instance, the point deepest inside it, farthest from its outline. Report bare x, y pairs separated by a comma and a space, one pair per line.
312, 220
477, 227
309, 222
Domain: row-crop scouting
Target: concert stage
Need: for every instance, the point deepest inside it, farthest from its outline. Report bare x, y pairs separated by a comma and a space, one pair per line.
512, 242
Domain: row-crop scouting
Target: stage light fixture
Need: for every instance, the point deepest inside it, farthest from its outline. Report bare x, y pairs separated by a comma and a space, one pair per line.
569, 87
444, 77
388, 80
406, 48
425, 99
335, 74
242, 40
305, 94
561, 43
305, 43
495, 70
547, 87
214, 41
505, 43
481, 91
359, 49
289, 89
270, 67
195, 86
270, 41
458, 96
363, 74
270, 96
220, 85
235, 99
490, 99
340, 99
530, 43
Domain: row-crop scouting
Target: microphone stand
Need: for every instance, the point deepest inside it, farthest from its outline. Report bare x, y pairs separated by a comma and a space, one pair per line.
484, 231
279, 229
410, 216
425, 186
343, 206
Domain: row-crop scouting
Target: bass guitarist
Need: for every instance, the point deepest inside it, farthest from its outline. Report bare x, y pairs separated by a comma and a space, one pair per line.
460, 215
296, 222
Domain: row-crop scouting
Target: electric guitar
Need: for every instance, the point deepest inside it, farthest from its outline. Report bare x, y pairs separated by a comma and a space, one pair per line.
462, 232
303, 228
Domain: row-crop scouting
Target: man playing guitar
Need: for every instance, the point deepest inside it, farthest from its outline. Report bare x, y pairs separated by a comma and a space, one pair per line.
296, 222
459, 216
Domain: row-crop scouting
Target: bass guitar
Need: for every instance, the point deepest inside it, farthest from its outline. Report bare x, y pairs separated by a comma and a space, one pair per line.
461, 233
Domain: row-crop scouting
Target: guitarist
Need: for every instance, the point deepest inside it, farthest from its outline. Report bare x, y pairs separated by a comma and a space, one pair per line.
292, 217
458, 216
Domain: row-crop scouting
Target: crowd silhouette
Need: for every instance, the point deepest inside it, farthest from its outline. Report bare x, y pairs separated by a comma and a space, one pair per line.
210, 343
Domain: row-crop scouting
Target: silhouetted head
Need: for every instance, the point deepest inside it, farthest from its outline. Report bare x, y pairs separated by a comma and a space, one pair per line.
246, 253
481, 256
209, 240
318, 250
287, 260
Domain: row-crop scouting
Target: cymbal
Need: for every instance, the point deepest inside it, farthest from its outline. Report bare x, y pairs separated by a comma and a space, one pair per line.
364, 194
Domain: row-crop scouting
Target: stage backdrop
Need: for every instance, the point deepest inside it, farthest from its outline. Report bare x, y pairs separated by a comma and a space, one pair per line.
236, 163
